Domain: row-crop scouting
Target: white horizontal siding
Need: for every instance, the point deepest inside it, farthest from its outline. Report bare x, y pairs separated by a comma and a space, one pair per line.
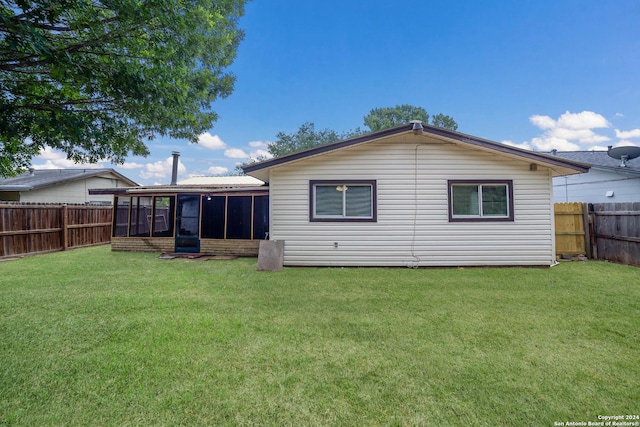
402, 235
71, 192
592, 187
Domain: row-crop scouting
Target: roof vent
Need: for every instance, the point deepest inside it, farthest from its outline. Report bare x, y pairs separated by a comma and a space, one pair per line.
624, 154
417, 126
32, 171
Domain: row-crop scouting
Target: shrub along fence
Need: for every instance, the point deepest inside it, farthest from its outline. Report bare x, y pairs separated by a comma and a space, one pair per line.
27, 229
604, 231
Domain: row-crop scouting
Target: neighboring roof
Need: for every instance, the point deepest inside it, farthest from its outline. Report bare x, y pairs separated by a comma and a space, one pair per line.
601, 160
226, 181
559, 166
41, 178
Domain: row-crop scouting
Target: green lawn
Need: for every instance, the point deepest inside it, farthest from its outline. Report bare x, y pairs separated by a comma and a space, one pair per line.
91, 337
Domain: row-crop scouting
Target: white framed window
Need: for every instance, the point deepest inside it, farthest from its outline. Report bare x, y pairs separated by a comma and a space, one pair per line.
344, 200
480, 200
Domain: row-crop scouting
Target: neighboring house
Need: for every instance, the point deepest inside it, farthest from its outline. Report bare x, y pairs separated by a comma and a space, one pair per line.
606, 182
61, 186
414, 195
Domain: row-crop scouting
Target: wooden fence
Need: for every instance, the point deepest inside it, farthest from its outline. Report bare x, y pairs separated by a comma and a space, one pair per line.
572, 229
605, 231
617, 232
33, 228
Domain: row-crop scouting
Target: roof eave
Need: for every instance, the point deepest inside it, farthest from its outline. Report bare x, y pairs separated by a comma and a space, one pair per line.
261, 170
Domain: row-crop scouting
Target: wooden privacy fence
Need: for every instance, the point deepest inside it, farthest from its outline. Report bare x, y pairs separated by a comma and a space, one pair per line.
605, 231
32, 229
617, 232
572, 229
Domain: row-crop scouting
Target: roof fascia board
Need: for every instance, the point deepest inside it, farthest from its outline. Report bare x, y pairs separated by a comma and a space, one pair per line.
455, 137
326, 148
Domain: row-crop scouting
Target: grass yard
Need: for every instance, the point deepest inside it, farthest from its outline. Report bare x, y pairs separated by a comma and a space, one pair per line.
92, 337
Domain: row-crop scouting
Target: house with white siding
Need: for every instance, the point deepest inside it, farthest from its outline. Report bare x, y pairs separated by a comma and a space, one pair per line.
414, 196
609, 180
62, 186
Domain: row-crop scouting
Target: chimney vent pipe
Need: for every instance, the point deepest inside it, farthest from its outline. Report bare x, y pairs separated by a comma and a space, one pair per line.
174, 170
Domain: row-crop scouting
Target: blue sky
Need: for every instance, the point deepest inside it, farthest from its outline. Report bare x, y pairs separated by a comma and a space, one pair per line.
537, 74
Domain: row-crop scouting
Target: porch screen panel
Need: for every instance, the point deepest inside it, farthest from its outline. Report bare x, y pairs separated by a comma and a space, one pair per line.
121, 217
260, 217
239, 217
140, 223
163, 216
213, 217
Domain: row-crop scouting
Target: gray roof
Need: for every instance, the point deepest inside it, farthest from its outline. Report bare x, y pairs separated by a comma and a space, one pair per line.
600, 159
40, 178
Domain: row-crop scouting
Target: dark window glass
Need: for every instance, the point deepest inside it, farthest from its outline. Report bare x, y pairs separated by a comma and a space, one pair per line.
260, 217
239, 217
213, 217
494, 200
121, 217
140, 222
163, 216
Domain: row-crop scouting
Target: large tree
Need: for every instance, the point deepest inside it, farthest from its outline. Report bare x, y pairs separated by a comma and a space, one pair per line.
388, 117
377, 119
98, 78
305, 137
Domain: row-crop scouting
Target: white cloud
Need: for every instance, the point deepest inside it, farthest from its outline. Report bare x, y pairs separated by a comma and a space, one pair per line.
161, 169
569, 132
212, 142
235, 153
597, 148
635, 133
543, 122
262, 154
583, 120
66, 164
586, 136
625, 143
525, 145
130, 165
548, 143
57, 160
217, 170
259, 144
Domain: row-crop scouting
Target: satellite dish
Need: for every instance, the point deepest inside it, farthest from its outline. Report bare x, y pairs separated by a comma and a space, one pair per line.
624, 153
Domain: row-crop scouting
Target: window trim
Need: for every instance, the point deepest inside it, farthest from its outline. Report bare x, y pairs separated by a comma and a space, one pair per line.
374, 199
509, 184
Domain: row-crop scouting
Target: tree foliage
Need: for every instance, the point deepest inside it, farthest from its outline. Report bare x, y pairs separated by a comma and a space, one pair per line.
305, 137
388, 117
377, 119
97, 78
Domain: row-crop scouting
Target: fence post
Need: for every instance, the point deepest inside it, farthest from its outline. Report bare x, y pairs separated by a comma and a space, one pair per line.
65, 227
587, 231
